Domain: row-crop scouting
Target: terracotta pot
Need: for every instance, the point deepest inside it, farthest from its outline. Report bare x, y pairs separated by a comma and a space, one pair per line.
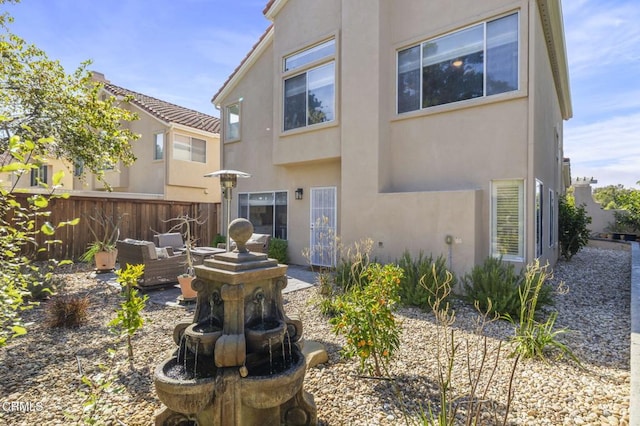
185, 286
106, 260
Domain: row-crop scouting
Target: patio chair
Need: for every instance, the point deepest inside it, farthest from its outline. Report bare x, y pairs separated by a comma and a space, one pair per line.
161, 265
170, 239
258, 243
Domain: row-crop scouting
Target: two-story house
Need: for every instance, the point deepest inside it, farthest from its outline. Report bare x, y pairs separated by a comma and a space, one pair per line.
176, 148
430, 126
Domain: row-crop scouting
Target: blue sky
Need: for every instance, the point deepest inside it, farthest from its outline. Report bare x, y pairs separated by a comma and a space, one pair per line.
183, 51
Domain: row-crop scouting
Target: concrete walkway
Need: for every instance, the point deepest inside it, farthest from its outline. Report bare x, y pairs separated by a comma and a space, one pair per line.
634, 401
298, 278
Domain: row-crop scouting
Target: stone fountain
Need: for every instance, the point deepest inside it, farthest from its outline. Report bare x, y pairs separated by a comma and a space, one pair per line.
239, 361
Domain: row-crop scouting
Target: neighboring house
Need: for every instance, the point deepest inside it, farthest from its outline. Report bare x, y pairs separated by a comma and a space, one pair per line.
430, 126
35, 178
177, 147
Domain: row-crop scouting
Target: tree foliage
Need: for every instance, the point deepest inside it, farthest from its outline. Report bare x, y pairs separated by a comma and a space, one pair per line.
629, 201
572, 224
608, 196
40, 100
44, 113
19, 227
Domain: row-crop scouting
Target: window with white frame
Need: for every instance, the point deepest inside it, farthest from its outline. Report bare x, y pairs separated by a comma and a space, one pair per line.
158, 146
40, 175
539, 217
232, 122
481, 60
189, 149
309, 86
507, 219
552, 218
267, 212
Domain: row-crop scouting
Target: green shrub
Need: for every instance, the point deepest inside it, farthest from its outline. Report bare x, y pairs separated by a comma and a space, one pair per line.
218, 239
572, 227
532, 338
350, 269
366, 318
278, 250
419, 284
496, 287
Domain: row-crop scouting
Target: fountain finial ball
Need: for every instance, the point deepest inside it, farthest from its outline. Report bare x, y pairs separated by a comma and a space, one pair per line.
240, 231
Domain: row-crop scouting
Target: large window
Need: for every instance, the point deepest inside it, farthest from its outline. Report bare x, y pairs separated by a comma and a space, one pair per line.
232, 122
267, 212
309, 96
189, 149
507, 219
481, 60
158, 146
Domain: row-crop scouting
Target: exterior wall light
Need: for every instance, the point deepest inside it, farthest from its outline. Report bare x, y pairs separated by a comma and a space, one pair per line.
299, 193
228, 181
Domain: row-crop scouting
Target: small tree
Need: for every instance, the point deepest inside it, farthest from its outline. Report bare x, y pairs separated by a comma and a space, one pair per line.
128, 319
366, 318
572, 224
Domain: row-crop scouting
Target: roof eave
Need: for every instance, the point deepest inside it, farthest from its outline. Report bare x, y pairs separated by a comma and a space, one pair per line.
552, 24
272, 8
246, 65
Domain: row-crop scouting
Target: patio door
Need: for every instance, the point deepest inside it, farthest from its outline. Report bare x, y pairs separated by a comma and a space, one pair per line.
323, 226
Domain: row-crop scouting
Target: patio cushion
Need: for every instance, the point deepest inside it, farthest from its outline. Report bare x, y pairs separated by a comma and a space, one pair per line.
169, 239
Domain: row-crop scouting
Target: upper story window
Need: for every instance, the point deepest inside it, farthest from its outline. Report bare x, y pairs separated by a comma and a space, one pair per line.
481, 60
189, 149
158, 146
309, 86
232, 121
40, 176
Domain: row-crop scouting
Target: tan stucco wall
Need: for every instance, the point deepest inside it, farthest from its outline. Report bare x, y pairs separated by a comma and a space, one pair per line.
405, 181
8, 180
601, 219
174, 179
545, 147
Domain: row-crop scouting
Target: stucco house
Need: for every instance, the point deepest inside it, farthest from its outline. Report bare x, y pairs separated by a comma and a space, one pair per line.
176, 148
431, 126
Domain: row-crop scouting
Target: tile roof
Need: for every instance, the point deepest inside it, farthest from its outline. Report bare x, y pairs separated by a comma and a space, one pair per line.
268, 6
167, 112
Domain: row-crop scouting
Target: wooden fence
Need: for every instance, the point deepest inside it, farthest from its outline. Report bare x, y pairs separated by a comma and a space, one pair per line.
141, 219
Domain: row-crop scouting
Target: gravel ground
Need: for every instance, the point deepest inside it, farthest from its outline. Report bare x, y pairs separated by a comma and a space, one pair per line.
41, 372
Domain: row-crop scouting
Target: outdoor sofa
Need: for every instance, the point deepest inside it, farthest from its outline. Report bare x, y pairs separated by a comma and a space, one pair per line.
161, 265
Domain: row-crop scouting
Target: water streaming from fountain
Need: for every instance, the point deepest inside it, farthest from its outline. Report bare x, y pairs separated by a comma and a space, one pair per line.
224, 376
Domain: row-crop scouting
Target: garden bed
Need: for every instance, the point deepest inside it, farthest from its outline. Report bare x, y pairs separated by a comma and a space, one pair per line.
43, 369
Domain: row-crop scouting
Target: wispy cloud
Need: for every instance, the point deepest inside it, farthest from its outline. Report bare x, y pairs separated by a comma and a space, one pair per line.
608, 150
600, 35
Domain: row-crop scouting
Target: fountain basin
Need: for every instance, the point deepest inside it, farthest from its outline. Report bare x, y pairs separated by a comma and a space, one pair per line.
264, 335
181, 395
268, 391
201, 338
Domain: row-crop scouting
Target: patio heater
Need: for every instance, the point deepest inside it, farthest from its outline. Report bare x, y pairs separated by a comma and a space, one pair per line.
228, 181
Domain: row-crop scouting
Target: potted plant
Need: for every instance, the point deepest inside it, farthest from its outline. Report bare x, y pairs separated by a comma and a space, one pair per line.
183, 226
102, 250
